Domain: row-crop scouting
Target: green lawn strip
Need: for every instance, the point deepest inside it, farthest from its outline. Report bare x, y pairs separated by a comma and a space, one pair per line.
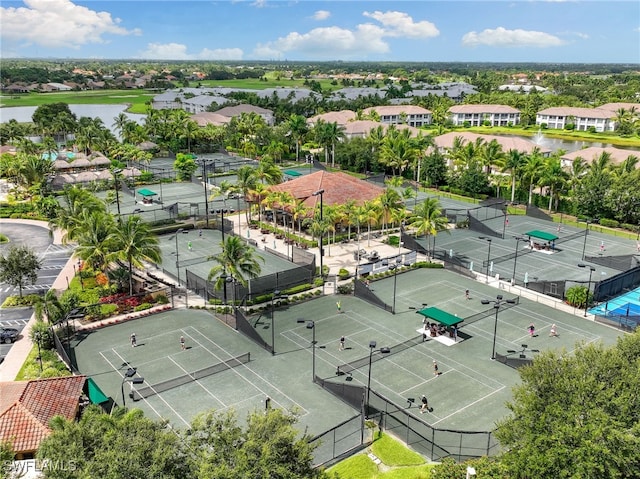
359, 466
136, 99
394, 453
52, 367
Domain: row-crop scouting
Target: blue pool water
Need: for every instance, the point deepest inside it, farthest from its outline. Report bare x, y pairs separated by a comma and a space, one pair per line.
625, 306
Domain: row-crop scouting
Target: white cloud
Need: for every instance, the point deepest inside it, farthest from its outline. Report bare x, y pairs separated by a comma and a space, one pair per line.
337, 42
399, 24
259, 3
58, 23
321, 15
178, 51
501, 37
328, 42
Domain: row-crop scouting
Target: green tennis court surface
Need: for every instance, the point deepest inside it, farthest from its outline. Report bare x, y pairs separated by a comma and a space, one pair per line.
468, 394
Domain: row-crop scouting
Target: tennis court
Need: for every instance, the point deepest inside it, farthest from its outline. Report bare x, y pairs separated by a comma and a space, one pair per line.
471, 390
195, 247
106, 355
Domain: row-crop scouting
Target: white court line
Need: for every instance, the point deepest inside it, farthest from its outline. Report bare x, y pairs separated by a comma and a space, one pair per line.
197, 382
117, 370
159, 397
468, 405
244, 366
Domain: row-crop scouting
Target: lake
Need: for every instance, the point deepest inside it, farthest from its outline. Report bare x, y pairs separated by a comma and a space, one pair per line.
107, 113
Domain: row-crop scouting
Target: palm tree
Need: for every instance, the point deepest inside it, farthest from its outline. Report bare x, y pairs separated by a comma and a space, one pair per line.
370, 215
298, 211
268, 173
94, 238
134, 243
298, 128
579, 168
554, 177
389, 201
49, 307
532, 169
491, 154
349, 210
246, 181
428, 219
69, 218
236, 258
513, 163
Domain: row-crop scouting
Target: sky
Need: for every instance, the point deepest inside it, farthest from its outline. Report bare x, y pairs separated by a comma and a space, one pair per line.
554, 31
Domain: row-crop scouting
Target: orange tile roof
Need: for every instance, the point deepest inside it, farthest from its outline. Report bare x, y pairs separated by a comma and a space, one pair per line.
338, 189
25, 422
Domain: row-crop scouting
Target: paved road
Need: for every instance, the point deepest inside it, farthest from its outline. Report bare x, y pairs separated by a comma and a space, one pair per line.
54, 257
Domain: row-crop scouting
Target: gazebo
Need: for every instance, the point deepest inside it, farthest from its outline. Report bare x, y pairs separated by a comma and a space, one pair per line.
147, 195
544, 236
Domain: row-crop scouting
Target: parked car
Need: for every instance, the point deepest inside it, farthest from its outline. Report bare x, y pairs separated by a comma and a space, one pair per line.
8, 335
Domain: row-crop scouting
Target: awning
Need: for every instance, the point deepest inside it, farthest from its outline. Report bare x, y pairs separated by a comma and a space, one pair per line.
542, 235
440, 316
292, 173
96, 396
145, 192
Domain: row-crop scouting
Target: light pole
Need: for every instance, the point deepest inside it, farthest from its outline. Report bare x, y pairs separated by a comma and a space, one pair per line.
394, 268
515, 261
312, 325
230, 279
128, 378
586, 301
38, 337
180, 230
488, 240
372, 349
496, 305
276, 294
586, 233
203, 162
73, 314
321, 193
115, 186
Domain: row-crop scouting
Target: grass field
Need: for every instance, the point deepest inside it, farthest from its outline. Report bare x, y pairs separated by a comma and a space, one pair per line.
135, 98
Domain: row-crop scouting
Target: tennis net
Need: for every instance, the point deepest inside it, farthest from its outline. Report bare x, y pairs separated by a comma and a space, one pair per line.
358, 363
190, 377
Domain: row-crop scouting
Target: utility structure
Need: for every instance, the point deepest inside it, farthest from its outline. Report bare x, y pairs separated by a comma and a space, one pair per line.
515, 260
586, 299
115, 173
129, 378
488, 240
204, 162
320, 193
312, 326
496, 305
276, 295
372, 349
394, 267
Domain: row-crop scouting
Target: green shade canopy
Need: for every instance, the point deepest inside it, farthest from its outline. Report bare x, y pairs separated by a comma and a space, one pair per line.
96, 396
541, 235
292, 173
145, 192
440, 316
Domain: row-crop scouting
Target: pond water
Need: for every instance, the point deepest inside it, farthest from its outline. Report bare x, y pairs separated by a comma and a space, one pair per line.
569, 146
107, 113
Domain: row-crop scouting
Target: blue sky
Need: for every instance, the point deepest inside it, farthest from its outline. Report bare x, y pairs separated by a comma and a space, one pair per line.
304, 30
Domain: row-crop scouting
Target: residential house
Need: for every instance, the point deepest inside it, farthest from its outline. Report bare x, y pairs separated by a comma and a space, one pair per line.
411, 115
477, 115
591, 154
201, 103
341, 117
233, 111
558, 117
26, 407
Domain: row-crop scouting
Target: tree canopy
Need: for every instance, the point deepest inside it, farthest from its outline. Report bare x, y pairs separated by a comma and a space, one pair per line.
576, 416
20, 265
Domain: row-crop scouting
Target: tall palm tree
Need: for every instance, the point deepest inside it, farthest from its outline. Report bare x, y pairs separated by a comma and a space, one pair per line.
532, 170
69, 218
428, 219
513, 162
238, 259
554, 177
268, 173
579, 167
49, 307
370, 215
95, 238
491, 154
134, 243
389, 201
246, 181
298, 213
349, 210
297, 125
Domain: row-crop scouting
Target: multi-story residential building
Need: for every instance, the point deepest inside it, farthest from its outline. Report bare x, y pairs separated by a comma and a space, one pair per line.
200, 103
411, 115
591, 154
477, 115
559, 117
233, 111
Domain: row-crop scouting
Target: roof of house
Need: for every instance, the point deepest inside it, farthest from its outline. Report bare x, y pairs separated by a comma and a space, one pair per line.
231, 111
483, 109
341, 117
592, 153
577, 112
397, 110
26, 407
206, 117
614, 107
507, 142
338, 189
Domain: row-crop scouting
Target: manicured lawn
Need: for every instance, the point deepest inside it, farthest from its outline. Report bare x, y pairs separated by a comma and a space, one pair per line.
135, 98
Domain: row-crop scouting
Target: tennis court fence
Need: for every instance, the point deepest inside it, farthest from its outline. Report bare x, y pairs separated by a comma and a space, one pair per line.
189, 377
414, 431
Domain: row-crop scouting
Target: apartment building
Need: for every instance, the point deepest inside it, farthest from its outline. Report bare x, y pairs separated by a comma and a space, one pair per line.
476, 115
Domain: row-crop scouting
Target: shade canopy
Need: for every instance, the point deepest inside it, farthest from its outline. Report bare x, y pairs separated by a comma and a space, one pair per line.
440, 316
145, 192
96, 396
292, 173
543, 235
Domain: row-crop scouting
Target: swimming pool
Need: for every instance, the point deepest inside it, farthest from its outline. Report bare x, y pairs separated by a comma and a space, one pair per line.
623, 309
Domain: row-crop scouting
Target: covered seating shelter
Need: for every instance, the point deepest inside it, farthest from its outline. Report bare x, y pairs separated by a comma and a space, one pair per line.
548, 238
147, 195
440, 316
